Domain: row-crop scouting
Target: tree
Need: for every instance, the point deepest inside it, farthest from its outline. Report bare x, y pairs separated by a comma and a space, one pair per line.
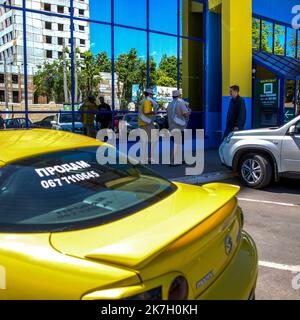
167, 72
128, 69
48, 81
103, 62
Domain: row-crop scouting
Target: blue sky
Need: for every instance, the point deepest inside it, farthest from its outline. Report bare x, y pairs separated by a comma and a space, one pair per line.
163, 17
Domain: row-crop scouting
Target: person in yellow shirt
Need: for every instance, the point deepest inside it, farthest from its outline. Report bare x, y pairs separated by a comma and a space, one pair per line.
89, 109
147, 110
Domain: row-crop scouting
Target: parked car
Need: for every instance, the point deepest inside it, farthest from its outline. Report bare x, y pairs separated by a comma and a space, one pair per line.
116, 119
129, 122
72, 228
161, 120
63, 122
46, 123
263, 155
17, 123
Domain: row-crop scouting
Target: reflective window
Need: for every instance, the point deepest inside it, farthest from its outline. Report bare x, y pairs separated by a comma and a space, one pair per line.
163, 51
256, 34
12, 68
267, 36
291, 42
56, 83
279, 40
100, 10
130, 67
49, 65
163, 15
131, 12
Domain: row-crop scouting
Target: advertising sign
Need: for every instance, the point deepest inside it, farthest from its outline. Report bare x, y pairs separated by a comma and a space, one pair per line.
266, 93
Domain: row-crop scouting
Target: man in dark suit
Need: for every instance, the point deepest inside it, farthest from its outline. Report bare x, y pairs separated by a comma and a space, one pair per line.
104, 118
2, 124
236, 116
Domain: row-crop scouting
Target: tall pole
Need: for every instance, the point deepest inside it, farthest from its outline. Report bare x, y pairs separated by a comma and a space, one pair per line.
66, 94
6, 83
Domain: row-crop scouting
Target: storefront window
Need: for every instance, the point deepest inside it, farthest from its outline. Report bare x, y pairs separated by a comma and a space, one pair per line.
267, 36
279, 40
291, 42
289, 94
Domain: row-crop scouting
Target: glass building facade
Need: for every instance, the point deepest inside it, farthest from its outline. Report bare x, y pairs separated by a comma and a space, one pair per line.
55, 53
280, 40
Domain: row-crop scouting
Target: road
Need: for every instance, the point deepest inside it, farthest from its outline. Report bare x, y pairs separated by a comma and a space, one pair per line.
272, 217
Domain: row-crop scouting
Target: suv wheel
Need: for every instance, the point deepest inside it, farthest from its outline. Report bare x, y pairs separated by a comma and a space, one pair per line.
255, 171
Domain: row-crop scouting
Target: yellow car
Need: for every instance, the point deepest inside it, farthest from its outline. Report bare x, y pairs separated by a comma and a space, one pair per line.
71, 228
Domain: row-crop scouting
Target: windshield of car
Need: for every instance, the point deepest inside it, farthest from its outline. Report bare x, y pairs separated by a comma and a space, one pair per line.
67, 118
70, 190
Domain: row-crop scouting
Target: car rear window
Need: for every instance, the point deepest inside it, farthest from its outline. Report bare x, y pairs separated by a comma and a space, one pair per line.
70, 190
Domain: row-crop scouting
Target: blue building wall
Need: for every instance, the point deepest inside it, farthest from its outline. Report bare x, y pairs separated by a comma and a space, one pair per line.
213, 70
280, 10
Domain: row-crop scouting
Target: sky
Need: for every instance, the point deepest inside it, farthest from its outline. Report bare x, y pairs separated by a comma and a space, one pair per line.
163, 17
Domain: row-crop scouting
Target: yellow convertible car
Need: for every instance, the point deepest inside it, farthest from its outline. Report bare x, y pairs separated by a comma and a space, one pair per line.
71, 228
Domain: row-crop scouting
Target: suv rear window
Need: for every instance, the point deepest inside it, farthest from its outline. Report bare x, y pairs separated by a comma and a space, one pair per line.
70, 190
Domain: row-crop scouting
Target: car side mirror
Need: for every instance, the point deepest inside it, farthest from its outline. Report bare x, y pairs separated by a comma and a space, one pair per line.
292, 130
53, 123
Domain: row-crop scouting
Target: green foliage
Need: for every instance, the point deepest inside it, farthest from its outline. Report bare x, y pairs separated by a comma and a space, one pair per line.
48, 81
129, 67
267, 37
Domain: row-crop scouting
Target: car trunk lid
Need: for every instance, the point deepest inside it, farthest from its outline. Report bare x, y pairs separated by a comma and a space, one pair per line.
194, 219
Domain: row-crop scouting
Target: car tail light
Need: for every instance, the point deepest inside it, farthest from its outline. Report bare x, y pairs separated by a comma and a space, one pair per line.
179, 289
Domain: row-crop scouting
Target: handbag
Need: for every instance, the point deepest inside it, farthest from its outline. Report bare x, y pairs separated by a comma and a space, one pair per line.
180, 122
145, 119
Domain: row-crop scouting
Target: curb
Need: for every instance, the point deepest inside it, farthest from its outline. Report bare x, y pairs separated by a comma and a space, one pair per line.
206, 177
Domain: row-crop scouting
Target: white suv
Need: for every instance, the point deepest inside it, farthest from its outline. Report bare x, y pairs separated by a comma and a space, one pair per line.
263, 154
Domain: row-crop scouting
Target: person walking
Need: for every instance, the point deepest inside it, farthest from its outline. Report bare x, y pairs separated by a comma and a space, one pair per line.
178, 117
236, 116
89, 109
146, 112
104, 118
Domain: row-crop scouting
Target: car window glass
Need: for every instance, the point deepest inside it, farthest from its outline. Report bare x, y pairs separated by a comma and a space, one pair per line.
70, 190
298, 128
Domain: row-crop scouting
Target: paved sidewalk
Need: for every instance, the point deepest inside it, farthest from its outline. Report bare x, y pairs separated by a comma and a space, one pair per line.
213, 170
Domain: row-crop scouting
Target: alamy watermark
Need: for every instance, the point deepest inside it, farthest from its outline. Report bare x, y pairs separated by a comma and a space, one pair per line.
296, 281
296, 18
153, 146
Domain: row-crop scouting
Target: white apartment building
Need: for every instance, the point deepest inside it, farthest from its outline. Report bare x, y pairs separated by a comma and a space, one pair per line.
46, 35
